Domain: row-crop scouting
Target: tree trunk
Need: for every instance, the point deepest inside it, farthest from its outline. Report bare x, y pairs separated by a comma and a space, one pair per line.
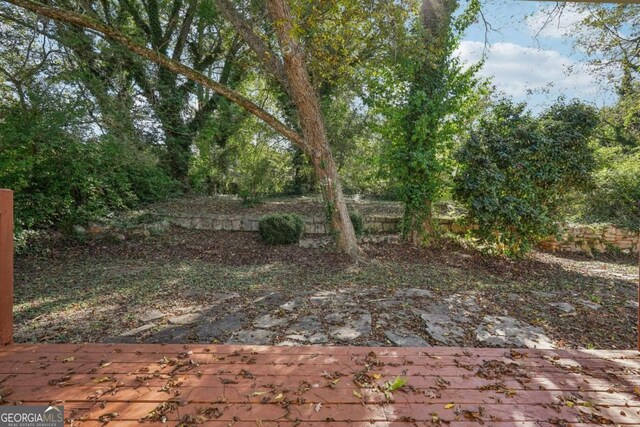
421, 226
313, 128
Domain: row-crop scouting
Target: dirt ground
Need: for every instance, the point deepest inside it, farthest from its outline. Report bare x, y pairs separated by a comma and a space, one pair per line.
206, 286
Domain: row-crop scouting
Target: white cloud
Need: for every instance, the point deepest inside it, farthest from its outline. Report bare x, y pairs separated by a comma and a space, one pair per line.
555, 23
516, 69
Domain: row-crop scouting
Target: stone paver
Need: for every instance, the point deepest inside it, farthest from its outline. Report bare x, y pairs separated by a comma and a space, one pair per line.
139, 330
257, 337
442, 328
171, 334
185, 319
272, 298
217, 329
307, 326
564, 307
269, 321
317, 338
292, 305
415, 293
151, 315
505, 331
353, 329
590, 304
335, 318
405, 339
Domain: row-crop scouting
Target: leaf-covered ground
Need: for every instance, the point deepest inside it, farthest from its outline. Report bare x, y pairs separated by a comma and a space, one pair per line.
205, 286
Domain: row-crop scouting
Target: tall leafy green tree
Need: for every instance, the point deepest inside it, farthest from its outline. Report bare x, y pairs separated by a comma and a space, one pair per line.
436, 105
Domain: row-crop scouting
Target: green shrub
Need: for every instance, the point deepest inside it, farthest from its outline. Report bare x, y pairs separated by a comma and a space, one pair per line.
281, 229
516, 168
616, 198
62, 176
358, 222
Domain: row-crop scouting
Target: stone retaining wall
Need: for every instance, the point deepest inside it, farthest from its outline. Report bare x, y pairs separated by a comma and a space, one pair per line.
313, 225
587, 239
593, 238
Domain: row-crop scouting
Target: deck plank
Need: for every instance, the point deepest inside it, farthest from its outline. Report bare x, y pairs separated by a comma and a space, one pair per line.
332, 386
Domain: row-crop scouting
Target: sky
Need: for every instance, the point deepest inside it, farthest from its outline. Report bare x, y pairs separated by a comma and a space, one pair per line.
530, 61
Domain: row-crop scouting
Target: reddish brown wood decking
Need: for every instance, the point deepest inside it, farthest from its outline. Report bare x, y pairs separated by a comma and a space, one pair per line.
6, 267
333, 386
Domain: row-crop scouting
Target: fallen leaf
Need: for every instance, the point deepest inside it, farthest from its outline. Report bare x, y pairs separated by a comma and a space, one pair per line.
318, 407
69, 359
449, 406
105, 418
357, 394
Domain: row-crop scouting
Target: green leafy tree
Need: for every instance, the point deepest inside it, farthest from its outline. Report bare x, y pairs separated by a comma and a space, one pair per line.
515, 169
432, 113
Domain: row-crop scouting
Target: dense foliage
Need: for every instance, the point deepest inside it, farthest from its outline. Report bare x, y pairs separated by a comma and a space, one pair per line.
424, 120
515, 169
281, 229
616, 196
88, 127
61, 176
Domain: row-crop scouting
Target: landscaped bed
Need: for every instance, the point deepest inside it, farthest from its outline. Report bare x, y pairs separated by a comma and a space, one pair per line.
206, 286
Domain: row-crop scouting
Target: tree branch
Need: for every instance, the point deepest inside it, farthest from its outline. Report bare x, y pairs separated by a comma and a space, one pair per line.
172, 23
266, 56
164, 61
184, 30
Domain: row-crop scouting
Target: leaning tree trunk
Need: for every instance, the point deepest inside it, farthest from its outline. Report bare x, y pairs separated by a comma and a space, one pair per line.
313, 129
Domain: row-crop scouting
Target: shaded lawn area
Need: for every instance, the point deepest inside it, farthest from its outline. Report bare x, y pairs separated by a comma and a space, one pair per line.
95, 291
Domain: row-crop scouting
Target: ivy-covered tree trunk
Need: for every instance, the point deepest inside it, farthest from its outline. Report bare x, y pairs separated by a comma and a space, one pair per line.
417, 155
316, 143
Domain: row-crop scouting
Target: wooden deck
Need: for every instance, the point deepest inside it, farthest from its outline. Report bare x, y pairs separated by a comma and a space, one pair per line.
332, 386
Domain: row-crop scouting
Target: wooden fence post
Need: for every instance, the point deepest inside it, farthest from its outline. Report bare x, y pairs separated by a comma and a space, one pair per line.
6, 267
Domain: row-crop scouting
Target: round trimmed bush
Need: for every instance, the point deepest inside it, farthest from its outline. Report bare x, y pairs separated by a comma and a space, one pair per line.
358, 222
281, 229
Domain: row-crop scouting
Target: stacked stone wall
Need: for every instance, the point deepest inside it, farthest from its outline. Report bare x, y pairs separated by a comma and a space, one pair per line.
577, 238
